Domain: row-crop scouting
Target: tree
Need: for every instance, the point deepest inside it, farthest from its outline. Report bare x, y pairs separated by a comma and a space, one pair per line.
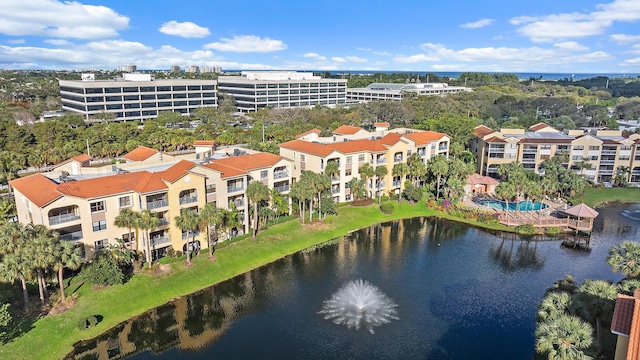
380, 172
506, 190
212, 216
126, 219
401, 170
565, 337
625, 257
598, 297
256, 192
366, 172
357, 188
103, 270
438, 166
188, 222
583, 165
416, 168
332, 169
67, 256
145, 222
17, 267
41, 248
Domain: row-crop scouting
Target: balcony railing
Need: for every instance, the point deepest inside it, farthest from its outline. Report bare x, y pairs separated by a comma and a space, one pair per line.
608, 152
442, 148
163, 222
188, 200
231, 189
63, 218
280, 174
397, 183
282, 188
190, 235
397, 159
72, 236
607, 162
528, 160
238, 203
163, 239
335, 191
335, 178
422, 153
530, 151
157, 204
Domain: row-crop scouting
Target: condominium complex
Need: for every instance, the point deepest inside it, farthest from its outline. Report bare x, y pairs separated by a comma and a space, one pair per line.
256, 90
82, 205
135, 96
597, 154
351, 147
386, 91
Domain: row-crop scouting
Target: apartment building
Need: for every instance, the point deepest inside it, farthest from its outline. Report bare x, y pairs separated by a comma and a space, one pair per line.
395, 92
254, 90
135, 96
604, 150
351, 147
83, 208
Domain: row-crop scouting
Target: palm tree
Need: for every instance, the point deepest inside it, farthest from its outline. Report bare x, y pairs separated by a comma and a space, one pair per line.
126, 219
625, 257
366, 172
506, 190
401, 170
256, 192
381, 171
232, 219
67, 256
145, 222
438, 166
188, 221
17, 267
555, 304
598, 297
564, 337
416, 168
212, 216
41, 249
583, 165
332, 169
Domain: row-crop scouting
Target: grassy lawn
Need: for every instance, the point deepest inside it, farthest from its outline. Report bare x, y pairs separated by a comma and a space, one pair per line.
594, 197
52, 337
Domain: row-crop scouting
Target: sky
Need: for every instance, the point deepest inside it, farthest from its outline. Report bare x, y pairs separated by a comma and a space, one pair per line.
545, 36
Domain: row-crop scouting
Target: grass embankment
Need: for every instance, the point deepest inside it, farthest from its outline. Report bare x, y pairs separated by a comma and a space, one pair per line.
52, 337
595, 197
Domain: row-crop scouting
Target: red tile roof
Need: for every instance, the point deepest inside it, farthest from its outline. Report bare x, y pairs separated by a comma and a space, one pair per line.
225, 170
314, 130
308, 147
109, 185
482, 131
38, 188
140, 153
623, 314
250, 161
538, 126
495, 139
474, 179
381, 124
347, 130
177, 171
204, 143
82, 157
347, 147
424, 137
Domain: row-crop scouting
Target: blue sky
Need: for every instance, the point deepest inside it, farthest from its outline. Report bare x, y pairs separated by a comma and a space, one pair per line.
567, 36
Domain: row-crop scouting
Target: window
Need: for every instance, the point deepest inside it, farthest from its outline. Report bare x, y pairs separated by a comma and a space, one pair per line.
99, 225
576, 157
578, 147
125, 201
347, 197
210, 189
623, 157
101, 244
302, 158
349, 159
97, 206
361, 158
347, 172
545, 147
594, 148
264, 174
129, 237
408, 153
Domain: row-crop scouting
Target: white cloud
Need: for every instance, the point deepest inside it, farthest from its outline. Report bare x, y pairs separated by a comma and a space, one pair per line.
15, 41
315, 56
338, 59
53, 18
624, 38
247, 44
414, 58
185, 29
356, 59
571, 45
477, 24
575, 25
57, 42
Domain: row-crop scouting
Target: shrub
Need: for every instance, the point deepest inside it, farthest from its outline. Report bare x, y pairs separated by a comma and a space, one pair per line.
411, 192
387, 208
362, 202
103, 271
384, 198
328, 220
526, 229
552, 231
87, 322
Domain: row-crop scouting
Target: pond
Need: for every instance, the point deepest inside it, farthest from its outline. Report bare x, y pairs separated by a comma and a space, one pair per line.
512, 206
460, 292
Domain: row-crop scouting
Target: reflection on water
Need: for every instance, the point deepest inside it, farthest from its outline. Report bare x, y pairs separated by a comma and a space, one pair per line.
455, 286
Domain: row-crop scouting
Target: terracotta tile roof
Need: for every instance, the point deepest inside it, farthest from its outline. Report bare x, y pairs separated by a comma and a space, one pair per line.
482, 131
204, 143
345, 147
109, 185
381, 124
82, 157
177, 171
481, 180
307, 147
545, 141
633, 350
538, 126
225, 170
140, 153
250, 161
424, 137
495, 139
314, 130
347, 130
38, 188
622, 314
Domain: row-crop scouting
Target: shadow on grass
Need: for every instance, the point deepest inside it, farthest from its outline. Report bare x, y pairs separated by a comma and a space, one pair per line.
18, 328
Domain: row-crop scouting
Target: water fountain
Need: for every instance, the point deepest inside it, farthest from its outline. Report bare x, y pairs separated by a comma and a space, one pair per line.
360, 304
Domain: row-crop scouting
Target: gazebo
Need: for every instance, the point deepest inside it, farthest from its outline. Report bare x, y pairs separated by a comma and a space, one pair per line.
580, 218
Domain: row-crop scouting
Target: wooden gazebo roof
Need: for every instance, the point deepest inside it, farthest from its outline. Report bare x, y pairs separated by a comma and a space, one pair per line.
582, 211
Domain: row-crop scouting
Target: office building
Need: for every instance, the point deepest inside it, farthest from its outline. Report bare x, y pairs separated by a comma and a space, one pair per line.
396, 92
254, 90
135, 96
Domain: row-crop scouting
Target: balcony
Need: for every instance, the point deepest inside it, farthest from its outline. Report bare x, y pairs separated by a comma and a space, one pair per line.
528, 160
282, 188
397, 183
442, 148
607, 162
63, 218
190, 235
335, 178
157, 204
280, 174
163, 221
397, 159
72, 236
530, 150
188, 200
422, 153
157, 240
608, 152
238, 203
231, 189
335, 191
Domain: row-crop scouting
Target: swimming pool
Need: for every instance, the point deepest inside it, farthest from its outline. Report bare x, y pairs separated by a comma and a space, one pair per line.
519, 206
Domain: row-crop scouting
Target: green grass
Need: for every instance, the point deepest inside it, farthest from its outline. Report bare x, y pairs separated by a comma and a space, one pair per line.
52, 337
595, 197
